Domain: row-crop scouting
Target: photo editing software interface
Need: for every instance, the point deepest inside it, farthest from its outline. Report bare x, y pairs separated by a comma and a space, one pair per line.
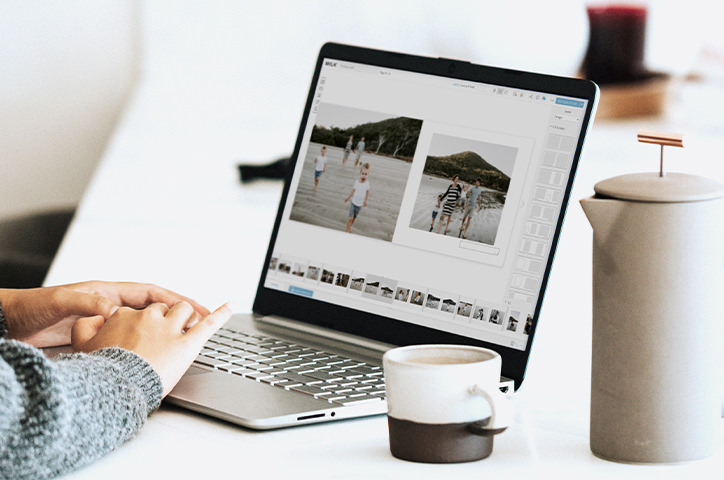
427, 199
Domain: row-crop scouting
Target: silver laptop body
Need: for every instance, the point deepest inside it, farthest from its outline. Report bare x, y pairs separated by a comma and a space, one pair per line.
346, 298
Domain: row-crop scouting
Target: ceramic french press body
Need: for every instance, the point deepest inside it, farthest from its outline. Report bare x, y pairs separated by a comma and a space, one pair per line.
658, 285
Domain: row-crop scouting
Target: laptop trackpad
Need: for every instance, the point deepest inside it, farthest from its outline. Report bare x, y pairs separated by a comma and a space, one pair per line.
239, 400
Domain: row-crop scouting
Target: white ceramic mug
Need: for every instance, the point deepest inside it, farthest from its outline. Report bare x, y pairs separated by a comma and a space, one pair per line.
444, 402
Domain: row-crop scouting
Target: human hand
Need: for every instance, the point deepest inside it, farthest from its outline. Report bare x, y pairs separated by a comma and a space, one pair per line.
44, 316
169, 339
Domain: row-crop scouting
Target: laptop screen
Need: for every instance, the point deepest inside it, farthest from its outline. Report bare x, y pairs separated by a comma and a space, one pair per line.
427, 199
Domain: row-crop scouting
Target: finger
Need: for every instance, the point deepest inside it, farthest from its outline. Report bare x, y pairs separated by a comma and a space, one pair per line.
158, 294
203, 330
144, 294
137, 295
83, 304
161, 308
84, 329
180, 314
195, 318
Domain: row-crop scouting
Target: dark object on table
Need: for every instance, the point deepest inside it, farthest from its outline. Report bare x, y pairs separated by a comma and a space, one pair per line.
615, 61
616, 44
276, 170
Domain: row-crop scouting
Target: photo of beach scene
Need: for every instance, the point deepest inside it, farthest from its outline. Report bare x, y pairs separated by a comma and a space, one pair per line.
356, 150
466, 183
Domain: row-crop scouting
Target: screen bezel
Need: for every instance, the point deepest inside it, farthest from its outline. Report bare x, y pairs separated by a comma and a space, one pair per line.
384, 329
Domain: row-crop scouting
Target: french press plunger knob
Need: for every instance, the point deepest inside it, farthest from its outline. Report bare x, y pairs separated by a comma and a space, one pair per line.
664, 139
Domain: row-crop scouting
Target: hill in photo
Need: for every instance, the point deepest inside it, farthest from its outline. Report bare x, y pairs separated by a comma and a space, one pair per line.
468, 166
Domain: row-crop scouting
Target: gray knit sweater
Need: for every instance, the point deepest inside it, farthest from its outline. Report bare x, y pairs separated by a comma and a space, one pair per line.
57, 415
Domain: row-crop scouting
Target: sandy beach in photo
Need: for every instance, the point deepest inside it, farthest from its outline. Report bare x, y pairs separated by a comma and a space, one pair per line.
483, 225
326, 207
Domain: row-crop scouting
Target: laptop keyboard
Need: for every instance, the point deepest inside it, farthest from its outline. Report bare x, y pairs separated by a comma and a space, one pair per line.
337, 379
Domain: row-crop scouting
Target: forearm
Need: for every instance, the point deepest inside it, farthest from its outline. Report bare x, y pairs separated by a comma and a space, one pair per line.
3, 325
64, 413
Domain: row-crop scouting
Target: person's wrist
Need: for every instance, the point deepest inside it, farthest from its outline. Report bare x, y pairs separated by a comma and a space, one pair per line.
137, 370
7, 324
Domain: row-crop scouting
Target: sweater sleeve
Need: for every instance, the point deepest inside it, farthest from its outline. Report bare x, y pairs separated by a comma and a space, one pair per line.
60, 414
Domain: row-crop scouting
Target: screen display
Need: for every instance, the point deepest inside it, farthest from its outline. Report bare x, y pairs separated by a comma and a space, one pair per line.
426, 199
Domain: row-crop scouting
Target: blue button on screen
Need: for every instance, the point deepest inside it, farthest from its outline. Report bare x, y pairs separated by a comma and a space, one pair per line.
301, 291
569, 102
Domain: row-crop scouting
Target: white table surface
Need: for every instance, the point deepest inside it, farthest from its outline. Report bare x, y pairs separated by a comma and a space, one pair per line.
165, 206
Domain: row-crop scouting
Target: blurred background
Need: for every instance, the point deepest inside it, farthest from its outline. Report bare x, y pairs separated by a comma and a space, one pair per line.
70, 68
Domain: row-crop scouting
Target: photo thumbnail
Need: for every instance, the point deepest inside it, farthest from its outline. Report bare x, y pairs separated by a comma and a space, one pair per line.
463, 188
355, 170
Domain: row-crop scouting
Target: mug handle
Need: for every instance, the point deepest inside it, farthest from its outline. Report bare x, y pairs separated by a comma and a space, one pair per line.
501, 412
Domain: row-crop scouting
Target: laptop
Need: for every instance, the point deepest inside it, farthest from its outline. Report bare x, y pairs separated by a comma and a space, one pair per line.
423, 204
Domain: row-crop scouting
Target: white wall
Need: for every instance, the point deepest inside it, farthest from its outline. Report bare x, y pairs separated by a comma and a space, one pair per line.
67, 69
271, 47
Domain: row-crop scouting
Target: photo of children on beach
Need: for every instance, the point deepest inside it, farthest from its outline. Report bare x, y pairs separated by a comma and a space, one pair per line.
355, 171
463, 188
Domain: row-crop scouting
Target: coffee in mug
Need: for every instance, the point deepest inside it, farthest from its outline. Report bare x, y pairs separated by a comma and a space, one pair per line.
444, 402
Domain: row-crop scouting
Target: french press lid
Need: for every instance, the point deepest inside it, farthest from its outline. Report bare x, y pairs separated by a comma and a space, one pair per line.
660, 187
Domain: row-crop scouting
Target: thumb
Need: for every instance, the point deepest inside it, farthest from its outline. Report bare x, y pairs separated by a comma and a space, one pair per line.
84, 329
84, 304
